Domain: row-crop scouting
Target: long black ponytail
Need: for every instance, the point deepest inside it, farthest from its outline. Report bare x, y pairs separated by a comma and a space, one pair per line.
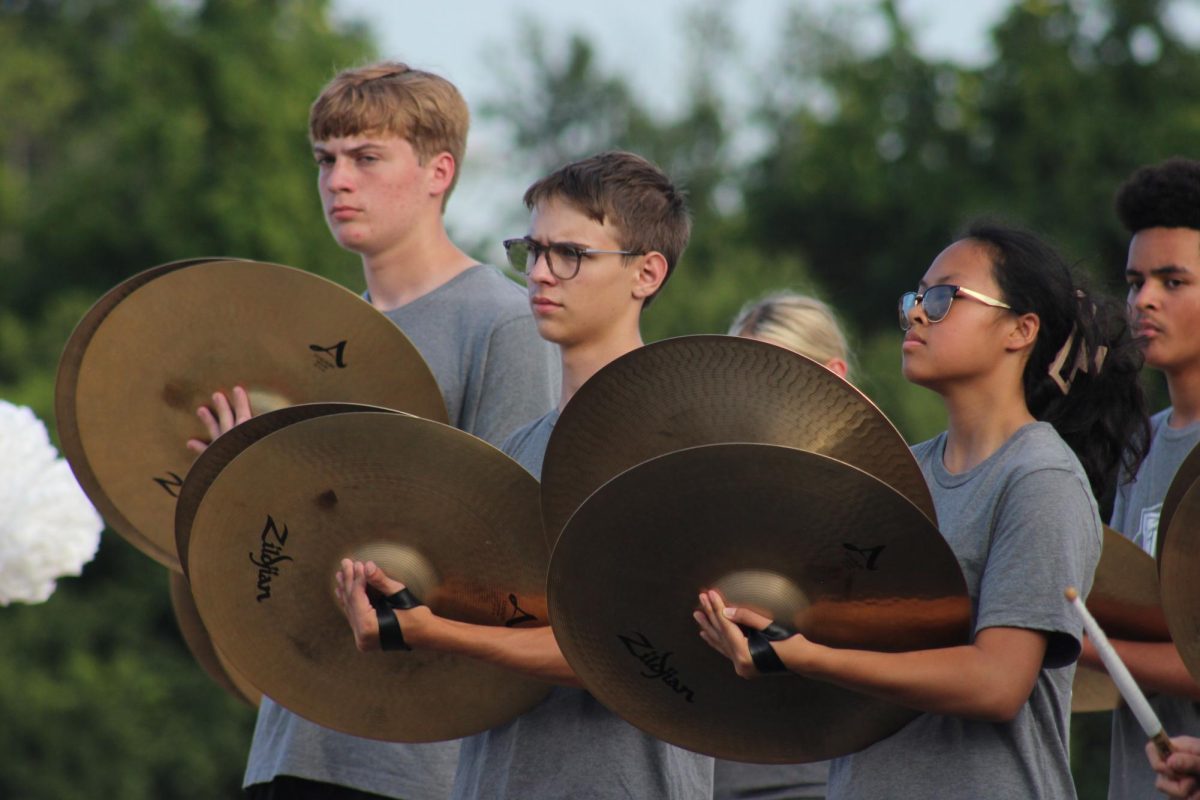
1082, 376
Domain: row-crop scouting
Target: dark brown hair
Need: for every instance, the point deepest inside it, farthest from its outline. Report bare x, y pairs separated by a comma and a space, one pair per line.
1102, 414
629, 192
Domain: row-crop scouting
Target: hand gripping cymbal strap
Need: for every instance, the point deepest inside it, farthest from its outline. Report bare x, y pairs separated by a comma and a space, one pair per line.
765, 659
390, 635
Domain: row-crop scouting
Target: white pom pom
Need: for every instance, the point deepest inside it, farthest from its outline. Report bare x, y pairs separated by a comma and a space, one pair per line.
48, 527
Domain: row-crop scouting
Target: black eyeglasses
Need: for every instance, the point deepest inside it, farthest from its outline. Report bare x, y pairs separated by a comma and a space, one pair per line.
936, 301
563, 259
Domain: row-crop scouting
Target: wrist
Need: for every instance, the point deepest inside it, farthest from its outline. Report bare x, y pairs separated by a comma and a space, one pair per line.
802, 656
419, 626
763, 654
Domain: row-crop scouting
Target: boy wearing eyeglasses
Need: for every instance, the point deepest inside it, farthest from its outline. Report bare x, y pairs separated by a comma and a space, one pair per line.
604, 236
1160, 207
388, 141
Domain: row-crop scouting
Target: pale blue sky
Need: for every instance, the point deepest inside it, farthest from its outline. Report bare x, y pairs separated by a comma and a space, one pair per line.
640, 39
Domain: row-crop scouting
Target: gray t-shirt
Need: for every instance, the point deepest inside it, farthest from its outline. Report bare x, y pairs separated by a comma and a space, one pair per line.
569, 745
479, 339
1135, 515
734, 780
1023, 526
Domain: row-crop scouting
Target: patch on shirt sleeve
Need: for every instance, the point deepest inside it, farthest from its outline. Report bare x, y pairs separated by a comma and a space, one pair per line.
1147, 532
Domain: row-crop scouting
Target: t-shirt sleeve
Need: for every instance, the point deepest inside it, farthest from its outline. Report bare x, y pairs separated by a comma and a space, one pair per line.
1120, 503
517, 381
1047, 537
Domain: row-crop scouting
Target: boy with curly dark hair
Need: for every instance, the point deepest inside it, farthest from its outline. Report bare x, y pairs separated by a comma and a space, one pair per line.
1160, 207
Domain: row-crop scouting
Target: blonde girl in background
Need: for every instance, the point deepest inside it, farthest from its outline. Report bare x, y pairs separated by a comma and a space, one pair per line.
807, 326
797, 322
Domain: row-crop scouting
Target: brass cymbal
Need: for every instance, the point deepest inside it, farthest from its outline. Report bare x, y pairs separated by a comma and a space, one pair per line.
1179, 564
227, 447
200, 645
1125, 597
158, 345
67, 381
439, 509
1093, 690
1125, 602
1187, 474
698, 390
803, 538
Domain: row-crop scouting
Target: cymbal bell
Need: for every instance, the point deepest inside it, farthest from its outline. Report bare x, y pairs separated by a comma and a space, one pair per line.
208, 465
699, 390
155, 348
803, 538
1125, 602
439, 509
1179, 564
200, 645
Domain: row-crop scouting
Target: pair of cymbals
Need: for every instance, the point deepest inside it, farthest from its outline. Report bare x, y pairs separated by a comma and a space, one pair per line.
155, 348
1136, 596
1160, 600
266, 517
1125, 602
729, 463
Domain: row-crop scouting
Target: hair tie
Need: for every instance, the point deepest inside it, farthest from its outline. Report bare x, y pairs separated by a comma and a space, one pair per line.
1081, 363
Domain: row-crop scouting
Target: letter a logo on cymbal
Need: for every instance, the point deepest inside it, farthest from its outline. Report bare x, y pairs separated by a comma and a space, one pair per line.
864, 557
337, 352
519, 615
171, 484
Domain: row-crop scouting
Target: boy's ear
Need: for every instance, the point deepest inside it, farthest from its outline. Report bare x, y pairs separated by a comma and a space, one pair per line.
650, 274
441, 169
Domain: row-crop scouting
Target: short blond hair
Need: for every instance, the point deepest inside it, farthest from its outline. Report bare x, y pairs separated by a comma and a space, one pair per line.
390, 97
797, 322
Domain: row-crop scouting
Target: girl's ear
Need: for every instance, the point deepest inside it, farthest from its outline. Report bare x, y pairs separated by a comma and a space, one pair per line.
1024, 332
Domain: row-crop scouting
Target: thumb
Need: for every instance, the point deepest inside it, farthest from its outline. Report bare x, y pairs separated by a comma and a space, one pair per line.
378, 579
744, 616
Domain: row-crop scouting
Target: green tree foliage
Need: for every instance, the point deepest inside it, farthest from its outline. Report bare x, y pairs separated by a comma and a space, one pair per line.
100, 699
142, 132
135, 132
884, 155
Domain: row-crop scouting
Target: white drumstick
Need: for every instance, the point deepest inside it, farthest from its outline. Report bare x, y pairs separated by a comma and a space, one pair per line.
1120, 674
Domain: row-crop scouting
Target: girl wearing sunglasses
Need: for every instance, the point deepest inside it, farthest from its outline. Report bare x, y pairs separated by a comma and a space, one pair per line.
1039, 381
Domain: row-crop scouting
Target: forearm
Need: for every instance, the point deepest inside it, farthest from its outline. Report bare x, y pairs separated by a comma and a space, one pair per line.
973, 681
530, 651
1157, 667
